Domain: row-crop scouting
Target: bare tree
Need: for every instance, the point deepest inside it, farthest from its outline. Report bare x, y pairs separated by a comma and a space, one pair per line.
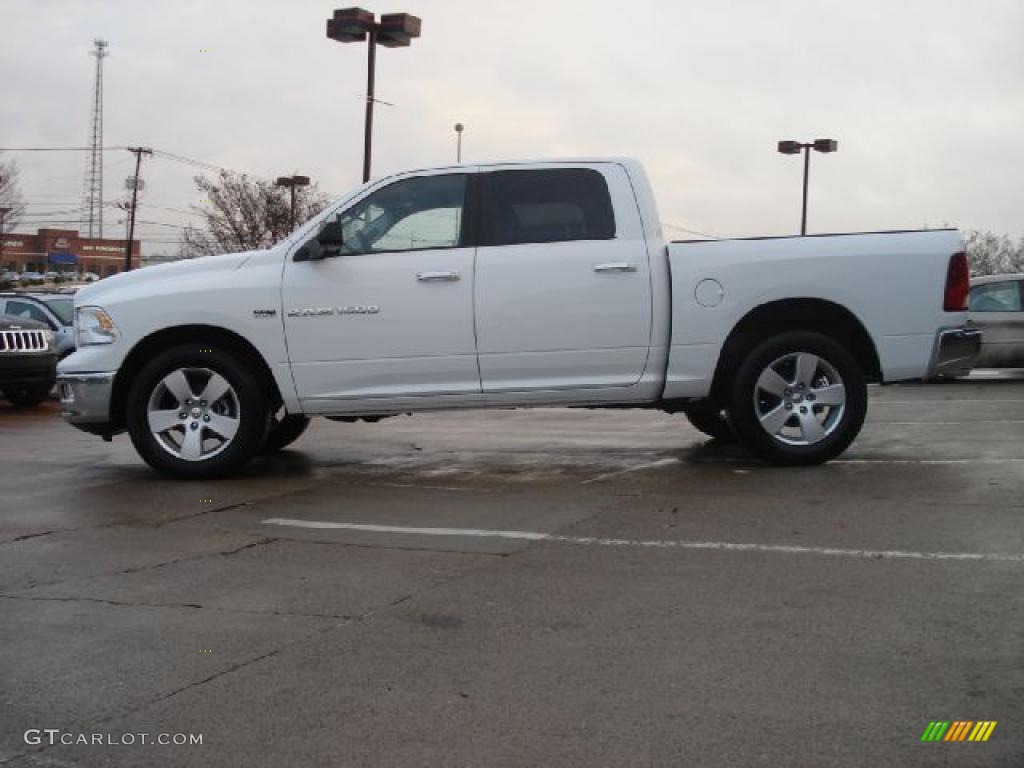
992, 254
10, 196
243, 214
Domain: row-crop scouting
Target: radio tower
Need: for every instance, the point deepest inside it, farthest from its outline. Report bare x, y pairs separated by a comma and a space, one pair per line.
92, 195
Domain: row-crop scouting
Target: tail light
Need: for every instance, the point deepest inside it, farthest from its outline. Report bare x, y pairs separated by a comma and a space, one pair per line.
958, 284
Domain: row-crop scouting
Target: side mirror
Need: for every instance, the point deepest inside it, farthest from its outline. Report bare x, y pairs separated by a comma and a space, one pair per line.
330, 237
328, 242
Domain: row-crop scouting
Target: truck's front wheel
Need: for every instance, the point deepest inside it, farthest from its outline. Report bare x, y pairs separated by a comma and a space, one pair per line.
798, 398
196, 412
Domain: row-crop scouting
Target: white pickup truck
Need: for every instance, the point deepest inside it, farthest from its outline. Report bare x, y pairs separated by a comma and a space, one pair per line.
511, 285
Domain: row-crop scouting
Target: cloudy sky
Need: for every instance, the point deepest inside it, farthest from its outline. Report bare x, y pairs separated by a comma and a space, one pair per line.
926, 99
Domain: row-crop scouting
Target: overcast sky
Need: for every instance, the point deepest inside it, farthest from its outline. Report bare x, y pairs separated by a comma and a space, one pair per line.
926, 99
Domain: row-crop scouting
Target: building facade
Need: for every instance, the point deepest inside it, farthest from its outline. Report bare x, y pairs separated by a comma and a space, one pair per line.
64, 250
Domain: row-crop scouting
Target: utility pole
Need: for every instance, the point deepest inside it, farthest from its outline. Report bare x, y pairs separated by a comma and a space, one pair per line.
458, 150
135, 182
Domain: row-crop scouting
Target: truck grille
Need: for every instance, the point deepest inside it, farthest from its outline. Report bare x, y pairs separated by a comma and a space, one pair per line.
22, 341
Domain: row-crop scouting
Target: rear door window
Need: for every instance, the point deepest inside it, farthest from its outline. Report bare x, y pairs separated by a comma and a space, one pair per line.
547, 206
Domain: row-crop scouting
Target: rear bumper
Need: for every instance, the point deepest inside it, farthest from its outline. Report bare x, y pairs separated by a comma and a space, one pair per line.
85, 400
956, 349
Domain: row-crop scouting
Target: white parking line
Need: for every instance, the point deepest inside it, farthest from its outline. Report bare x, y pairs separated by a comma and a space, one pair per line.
784, 549
942, 402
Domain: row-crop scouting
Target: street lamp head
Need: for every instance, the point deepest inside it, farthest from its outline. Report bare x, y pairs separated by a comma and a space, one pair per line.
292, 181
790, 147
459, 127
397, 30
350, 25
826, 145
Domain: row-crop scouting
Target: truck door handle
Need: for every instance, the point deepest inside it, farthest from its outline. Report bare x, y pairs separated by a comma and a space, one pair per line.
617, 266
433, 277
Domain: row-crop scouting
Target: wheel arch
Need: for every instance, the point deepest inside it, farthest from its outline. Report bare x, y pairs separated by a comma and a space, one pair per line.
803, 314
201, 335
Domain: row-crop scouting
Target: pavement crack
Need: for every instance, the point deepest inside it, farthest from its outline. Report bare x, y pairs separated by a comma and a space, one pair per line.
262, 541
190, 606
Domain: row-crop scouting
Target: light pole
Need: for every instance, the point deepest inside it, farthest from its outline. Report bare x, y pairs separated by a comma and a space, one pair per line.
458, 147
395, 30
291, 182
3, 215
795, 148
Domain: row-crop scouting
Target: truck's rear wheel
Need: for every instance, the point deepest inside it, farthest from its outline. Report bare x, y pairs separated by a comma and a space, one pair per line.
196, 412
710, 419
798, 398
284, 431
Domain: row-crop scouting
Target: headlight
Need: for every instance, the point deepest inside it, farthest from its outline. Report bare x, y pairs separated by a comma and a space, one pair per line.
93, 326
49, 336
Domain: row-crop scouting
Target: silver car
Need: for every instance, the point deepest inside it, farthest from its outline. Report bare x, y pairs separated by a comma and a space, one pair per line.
997, 309
56, 310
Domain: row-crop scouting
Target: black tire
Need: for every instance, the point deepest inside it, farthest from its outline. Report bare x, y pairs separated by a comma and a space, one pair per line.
283, 432
28, 395
711, 420
247, 410
839, 424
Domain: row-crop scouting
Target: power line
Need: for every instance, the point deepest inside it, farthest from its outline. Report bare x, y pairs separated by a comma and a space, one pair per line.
57, 149
202, 164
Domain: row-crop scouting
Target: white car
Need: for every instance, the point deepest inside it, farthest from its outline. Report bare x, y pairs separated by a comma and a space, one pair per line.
506, 285
31, 277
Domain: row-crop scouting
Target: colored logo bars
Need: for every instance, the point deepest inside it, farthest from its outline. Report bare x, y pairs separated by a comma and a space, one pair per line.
958, 730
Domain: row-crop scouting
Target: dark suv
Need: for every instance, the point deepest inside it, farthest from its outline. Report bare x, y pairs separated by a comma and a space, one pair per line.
28, 360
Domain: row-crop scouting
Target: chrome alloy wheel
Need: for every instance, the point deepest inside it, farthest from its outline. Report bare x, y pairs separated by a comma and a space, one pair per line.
799, 399
193, 413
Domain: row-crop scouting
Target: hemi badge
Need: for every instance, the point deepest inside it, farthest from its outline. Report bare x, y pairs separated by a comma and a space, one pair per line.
259, 313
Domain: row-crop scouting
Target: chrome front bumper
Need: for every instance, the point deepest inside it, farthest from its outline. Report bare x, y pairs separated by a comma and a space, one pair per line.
956, 349
85, 399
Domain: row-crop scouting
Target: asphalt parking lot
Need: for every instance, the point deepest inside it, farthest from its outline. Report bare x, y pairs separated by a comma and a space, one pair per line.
561, 587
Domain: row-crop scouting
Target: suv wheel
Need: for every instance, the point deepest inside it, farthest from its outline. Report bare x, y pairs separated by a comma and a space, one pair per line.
28, 395
196, 413
799, 398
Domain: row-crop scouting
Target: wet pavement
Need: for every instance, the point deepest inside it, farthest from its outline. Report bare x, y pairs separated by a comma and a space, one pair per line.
549, 587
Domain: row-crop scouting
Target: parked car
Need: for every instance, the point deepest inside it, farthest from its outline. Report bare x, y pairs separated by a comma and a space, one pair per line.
55, 310
997, 309
31, 278
89, 277
28, 361
510, 285
9, 279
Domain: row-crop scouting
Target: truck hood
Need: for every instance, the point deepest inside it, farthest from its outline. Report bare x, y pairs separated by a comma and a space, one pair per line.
97, 292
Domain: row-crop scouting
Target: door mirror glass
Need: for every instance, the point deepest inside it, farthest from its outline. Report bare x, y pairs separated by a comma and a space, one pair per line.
330, 235
328, 242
